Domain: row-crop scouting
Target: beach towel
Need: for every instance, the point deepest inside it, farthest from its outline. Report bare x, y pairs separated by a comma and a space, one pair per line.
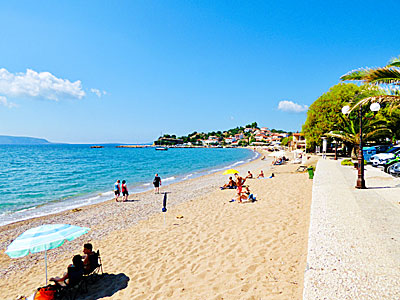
45, 293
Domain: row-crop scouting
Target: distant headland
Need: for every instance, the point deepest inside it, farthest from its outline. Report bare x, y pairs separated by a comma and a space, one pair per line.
22, 140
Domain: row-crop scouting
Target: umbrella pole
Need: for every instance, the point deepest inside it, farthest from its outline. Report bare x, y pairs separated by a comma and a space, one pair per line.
45, 263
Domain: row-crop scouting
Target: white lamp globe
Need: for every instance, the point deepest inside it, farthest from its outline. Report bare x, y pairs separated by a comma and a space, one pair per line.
375, 107
345, 109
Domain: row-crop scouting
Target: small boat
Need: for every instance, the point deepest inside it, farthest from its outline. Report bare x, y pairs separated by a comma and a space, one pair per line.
162, 148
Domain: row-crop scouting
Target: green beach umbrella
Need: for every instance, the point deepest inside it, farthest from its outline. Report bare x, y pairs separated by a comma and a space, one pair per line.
43, 238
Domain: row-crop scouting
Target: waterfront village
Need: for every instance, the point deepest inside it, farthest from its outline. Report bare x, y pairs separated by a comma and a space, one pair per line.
250, 135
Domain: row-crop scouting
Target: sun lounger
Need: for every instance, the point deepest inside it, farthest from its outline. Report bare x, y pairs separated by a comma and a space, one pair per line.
301, 169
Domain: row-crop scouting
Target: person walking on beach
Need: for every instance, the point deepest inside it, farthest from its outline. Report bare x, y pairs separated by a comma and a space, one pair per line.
239, 183
117, 190
157, 183
124, 190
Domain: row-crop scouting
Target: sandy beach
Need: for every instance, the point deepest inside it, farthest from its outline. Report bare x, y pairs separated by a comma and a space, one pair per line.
217, 250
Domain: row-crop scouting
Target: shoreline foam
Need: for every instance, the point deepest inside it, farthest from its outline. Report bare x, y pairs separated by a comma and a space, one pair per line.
219, 249
58, 206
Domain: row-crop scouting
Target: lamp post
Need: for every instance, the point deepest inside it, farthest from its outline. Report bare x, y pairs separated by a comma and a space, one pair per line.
360, 179
335, 149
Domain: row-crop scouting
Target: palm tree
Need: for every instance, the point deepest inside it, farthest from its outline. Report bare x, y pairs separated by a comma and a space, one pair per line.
387, 78
348, 130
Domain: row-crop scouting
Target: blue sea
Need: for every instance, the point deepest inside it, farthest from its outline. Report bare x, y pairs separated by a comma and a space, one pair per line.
36, 180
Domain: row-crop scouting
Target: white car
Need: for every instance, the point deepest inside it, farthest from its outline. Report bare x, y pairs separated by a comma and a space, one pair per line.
381, 158
395, 169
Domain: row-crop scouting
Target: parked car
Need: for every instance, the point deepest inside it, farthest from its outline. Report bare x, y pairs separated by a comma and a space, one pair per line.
391, 162
368, 152
394, 169
381, 158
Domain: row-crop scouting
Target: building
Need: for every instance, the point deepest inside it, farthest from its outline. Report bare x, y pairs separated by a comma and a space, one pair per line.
239, 136
230, 140
298, 142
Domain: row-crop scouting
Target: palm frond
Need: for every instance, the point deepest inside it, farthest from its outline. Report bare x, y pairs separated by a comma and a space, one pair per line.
383, 75
370, 134
359, 74
392, 100
342, 136
394, 62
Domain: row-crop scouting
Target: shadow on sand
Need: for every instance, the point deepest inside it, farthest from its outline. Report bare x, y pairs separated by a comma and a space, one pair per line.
105, 286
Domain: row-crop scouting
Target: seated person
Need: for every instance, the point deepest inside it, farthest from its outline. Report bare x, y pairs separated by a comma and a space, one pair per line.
74, 272
90, 261
230, 185
245, 195
261, 175
248, 195
249, 175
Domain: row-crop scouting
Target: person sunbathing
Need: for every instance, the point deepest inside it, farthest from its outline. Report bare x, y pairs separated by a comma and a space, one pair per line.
245, 195
249, 175
74, 272
248, 195
230, 185
261, 175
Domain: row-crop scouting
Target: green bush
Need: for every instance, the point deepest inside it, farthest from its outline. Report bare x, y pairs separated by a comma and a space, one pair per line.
347, 162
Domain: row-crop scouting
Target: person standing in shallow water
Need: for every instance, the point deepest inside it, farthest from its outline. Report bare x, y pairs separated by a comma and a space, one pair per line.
157, 183
117, 190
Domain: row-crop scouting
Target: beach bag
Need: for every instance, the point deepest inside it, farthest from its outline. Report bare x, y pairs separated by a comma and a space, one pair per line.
45, 293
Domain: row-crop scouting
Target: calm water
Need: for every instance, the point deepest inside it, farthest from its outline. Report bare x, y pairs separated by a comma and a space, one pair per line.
42, 179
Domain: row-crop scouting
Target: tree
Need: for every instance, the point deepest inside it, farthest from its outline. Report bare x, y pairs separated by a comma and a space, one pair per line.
243, 143
323, 114
348, 130
387, 77
285, 141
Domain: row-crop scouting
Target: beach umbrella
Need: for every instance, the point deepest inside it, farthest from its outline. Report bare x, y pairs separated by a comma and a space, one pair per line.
43, 238
277, 154
230, 171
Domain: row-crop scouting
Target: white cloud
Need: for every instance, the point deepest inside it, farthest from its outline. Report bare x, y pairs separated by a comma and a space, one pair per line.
290, 106
98, 92
38, 85
4, 102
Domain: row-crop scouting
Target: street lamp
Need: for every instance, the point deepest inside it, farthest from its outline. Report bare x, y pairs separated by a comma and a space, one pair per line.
360, 179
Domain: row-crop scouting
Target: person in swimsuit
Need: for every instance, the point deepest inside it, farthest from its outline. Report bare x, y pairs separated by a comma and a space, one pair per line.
117, 190
230, 185
157, 183
124, 190
239, 183
261, 175
249, 175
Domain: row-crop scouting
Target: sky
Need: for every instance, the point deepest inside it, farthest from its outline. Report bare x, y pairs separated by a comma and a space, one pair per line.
127, 71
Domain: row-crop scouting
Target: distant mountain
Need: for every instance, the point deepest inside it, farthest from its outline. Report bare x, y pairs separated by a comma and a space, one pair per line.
21, 140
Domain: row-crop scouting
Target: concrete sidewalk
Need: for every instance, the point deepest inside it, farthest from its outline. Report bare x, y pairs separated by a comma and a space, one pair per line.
354, 236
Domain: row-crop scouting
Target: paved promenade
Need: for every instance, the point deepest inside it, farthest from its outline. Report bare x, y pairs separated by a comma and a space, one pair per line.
354, 236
